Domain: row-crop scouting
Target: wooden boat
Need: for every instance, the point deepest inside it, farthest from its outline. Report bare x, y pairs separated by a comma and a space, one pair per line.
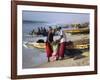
77, 30
39, 45
78, 46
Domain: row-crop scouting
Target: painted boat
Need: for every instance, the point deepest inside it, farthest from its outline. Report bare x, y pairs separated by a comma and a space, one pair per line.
78, 46
39, 45
77, 30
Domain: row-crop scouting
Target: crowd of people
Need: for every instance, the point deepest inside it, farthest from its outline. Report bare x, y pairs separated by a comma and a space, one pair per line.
55, 48
40, 31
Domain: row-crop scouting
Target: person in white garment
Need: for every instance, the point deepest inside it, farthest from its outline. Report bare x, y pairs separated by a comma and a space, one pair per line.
62, 44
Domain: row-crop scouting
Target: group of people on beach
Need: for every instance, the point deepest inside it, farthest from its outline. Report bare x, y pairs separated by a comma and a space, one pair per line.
55, 48
40, 31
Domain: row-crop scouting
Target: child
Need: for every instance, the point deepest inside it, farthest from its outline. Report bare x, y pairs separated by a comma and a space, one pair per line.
55, 49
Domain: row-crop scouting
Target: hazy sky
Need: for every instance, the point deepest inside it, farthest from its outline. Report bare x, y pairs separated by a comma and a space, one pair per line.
58, 17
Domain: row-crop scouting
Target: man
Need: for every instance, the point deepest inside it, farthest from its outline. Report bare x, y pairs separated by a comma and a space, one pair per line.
49, 41
62, 44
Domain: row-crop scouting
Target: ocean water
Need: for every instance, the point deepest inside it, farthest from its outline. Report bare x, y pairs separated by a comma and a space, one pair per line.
32, 57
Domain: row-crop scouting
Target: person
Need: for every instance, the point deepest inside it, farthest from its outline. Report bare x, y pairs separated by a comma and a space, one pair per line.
55, 49
62, 42
49, 41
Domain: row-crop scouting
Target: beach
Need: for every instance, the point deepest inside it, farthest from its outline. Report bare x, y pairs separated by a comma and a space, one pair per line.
69, 61
35, 58
66, 63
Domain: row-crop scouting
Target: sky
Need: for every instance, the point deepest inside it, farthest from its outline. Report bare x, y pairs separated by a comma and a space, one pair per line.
55, 17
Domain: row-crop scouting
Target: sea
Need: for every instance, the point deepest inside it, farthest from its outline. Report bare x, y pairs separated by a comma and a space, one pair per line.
32, 57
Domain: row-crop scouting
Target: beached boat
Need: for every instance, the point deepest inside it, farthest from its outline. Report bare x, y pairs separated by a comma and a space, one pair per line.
71, 46
77, 30
77, 44
39, 45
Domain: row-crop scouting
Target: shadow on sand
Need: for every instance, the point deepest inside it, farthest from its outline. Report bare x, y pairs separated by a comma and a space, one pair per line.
74, 53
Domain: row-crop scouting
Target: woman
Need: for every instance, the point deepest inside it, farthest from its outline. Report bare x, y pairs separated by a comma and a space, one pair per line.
49, 41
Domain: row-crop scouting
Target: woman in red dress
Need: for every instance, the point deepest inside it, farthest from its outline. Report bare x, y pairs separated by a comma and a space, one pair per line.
49, 41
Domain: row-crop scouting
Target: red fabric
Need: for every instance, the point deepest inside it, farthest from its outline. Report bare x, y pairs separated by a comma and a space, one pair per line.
49, 50
61, 49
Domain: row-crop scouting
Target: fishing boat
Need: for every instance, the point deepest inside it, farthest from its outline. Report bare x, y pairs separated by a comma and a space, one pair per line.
78, 46
39, 45
83, 30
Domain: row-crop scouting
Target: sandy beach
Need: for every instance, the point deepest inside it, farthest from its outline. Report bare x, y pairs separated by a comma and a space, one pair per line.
80, 60
35, 58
